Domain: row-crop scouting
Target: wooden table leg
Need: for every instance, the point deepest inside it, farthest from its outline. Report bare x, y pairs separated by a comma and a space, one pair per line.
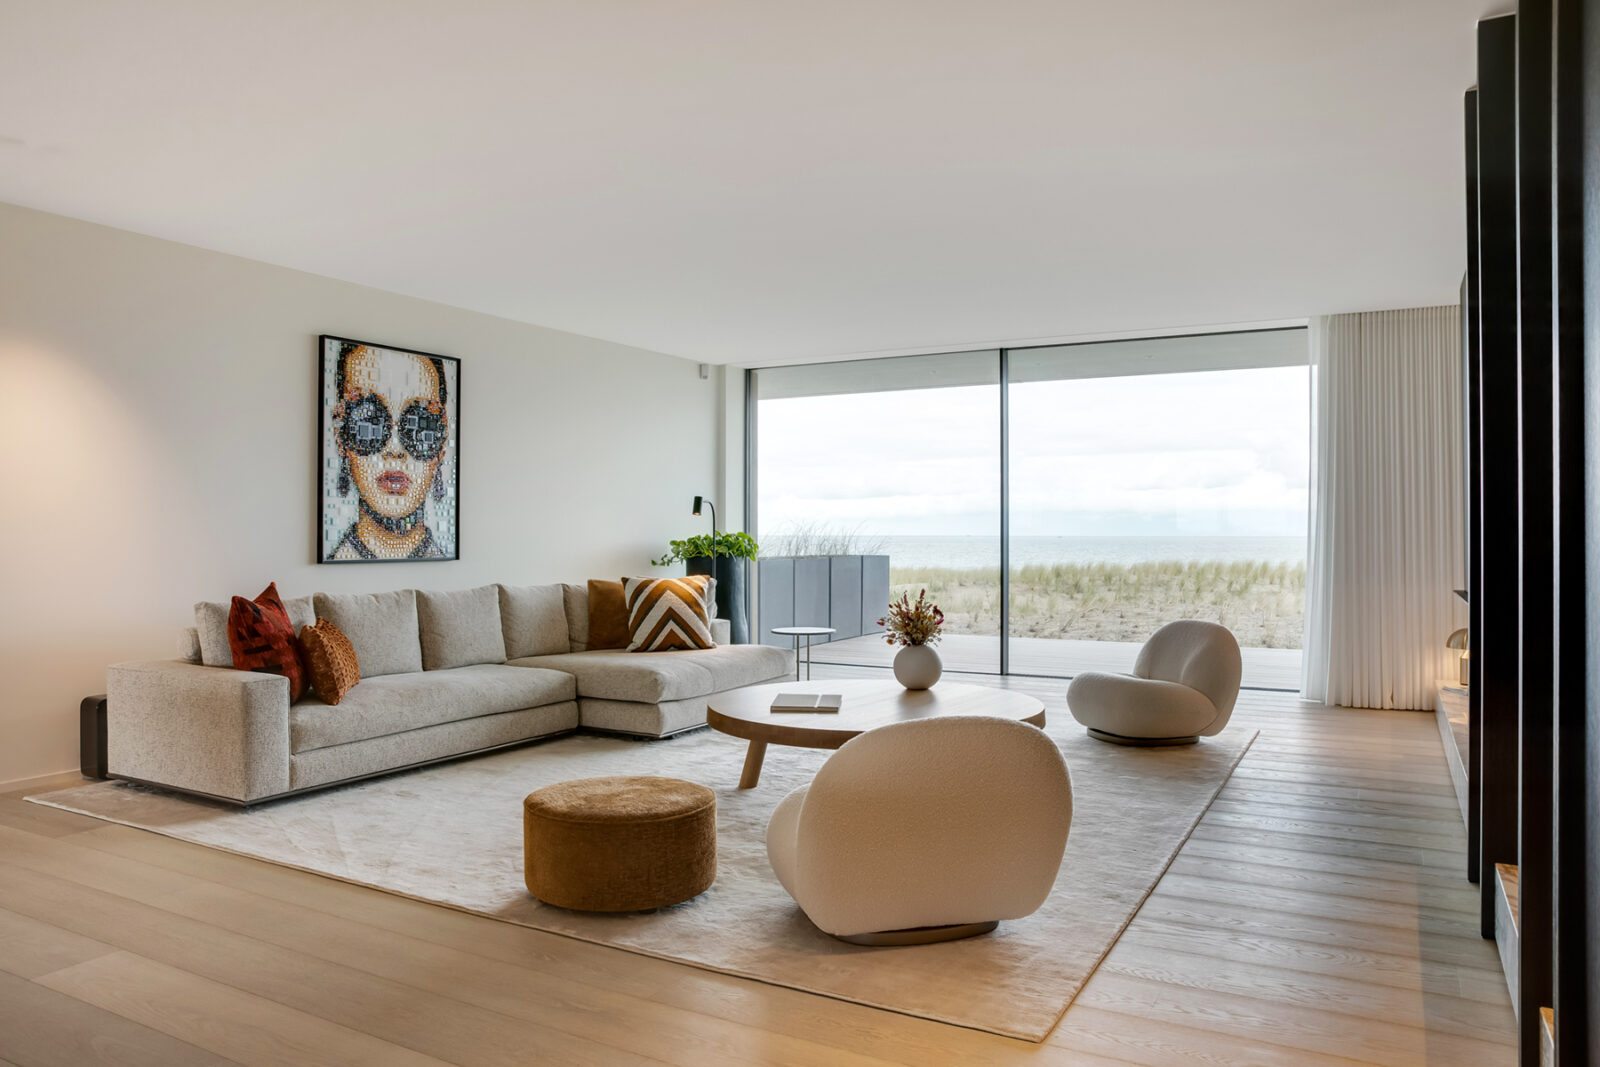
752, 765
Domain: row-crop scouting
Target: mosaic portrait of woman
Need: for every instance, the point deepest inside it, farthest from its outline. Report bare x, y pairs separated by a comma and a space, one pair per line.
389, 453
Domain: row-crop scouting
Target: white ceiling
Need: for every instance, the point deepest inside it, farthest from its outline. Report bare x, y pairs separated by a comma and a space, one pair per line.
758, 181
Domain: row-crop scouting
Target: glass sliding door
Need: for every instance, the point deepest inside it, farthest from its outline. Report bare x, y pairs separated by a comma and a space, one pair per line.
1156, 480
873, 478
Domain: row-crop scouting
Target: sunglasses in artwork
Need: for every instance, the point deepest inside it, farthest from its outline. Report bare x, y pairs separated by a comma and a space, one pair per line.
367, 426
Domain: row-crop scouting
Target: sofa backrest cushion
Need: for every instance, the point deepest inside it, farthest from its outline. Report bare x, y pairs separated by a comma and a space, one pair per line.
576, 599
189, 645
211, 626
534, 620
382, 628
460, 628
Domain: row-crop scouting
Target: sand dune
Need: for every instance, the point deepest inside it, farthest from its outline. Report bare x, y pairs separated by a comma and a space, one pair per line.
1262, 603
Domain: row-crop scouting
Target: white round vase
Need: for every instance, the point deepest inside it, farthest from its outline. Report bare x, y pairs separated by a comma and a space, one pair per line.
917, 666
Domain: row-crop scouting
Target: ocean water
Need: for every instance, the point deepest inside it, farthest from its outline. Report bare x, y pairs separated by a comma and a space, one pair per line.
963, 552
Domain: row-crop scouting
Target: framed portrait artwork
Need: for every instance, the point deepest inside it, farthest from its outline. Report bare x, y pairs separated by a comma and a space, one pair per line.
389, 456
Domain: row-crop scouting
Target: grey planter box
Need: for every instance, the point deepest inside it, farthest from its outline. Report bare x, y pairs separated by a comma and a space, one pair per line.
848, 593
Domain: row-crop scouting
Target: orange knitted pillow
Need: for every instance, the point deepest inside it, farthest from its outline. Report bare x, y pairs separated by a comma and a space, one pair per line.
330, 660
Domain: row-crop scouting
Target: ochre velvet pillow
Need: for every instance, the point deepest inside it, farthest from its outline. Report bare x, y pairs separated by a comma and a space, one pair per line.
668, 614
261, 638
608, 616
331, 661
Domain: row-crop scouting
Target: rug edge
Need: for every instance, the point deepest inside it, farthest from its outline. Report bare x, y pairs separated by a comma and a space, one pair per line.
1020, 1035
1244, 750
1029, 1035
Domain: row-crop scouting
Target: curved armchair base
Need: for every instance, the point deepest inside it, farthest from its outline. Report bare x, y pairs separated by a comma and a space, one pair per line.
920, 935
1141, 742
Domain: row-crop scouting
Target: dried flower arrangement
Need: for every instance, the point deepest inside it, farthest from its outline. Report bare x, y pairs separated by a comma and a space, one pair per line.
912, 624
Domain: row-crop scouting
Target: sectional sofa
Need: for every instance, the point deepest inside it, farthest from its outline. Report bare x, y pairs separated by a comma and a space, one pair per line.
442, 675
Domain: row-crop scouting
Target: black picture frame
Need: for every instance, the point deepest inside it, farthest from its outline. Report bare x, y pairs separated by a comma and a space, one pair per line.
365, 485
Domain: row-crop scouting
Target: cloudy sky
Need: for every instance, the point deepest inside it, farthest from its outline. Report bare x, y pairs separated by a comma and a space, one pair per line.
1207, 454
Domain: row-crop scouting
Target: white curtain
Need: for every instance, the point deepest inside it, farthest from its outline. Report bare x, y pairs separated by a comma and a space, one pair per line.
1387, 521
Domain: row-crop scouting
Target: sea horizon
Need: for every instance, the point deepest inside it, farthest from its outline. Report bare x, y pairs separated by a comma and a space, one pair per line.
963, 552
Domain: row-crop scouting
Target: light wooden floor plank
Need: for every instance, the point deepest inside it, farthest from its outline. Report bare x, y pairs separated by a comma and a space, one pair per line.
46, 822
1161, 1043
247, 1029
1312, 1030
341, 995
784, 1011
1341, 884
1364, 1003
40, 1027
29, 948
1319, 915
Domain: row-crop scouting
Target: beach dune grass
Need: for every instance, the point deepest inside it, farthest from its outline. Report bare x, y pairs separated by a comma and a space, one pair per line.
1262, 603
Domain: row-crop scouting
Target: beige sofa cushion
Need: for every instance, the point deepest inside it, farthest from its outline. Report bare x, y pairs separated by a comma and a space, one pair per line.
321, 766
575, 598
189, 645
211, 626
382, 628
459, 628
534, 620
395, 703
651, 677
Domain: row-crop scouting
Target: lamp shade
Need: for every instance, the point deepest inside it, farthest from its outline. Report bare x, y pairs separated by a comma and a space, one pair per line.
1458, 639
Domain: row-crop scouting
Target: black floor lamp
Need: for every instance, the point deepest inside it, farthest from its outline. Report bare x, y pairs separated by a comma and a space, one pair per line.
702, 500
729, 574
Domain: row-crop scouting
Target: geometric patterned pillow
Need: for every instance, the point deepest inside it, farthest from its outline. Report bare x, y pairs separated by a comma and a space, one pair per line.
667, 614
330, 661
262, 639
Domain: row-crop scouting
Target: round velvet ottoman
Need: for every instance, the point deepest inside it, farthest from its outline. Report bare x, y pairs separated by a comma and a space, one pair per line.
619, 844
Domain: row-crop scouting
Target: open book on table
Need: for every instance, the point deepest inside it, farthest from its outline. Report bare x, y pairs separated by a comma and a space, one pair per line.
807, 702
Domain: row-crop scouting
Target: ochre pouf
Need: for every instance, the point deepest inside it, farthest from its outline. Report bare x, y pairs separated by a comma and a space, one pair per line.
619, 844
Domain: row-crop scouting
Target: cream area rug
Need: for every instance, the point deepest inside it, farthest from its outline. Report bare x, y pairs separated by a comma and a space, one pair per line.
452, 834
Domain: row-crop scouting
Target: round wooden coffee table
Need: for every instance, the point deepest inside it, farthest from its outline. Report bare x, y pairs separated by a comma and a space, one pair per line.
867, 704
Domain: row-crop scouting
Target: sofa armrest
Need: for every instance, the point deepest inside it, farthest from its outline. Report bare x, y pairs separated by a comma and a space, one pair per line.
722, 631
211, 730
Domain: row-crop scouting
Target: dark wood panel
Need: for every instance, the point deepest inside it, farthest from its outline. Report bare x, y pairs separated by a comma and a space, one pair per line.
1535, 385
1470, 356
1495, 655
1576, 924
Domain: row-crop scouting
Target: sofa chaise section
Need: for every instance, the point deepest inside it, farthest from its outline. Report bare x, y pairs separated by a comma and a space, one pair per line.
655, 694
648, 694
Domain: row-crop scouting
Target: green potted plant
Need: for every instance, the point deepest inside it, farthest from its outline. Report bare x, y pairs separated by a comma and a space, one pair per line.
721, 555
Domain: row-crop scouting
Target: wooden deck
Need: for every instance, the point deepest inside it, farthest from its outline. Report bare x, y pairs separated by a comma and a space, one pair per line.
1264, 668
1318, 915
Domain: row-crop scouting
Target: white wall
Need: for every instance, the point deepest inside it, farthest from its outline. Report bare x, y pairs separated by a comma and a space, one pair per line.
159, 428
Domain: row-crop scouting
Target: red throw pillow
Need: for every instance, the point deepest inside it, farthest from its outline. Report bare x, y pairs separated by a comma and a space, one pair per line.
262, 639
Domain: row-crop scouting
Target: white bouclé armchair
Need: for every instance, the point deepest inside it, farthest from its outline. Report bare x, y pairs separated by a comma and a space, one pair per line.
1183, 687
926, 831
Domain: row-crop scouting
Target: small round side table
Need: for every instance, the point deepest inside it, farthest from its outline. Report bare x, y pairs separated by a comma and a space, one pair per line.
807, 632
